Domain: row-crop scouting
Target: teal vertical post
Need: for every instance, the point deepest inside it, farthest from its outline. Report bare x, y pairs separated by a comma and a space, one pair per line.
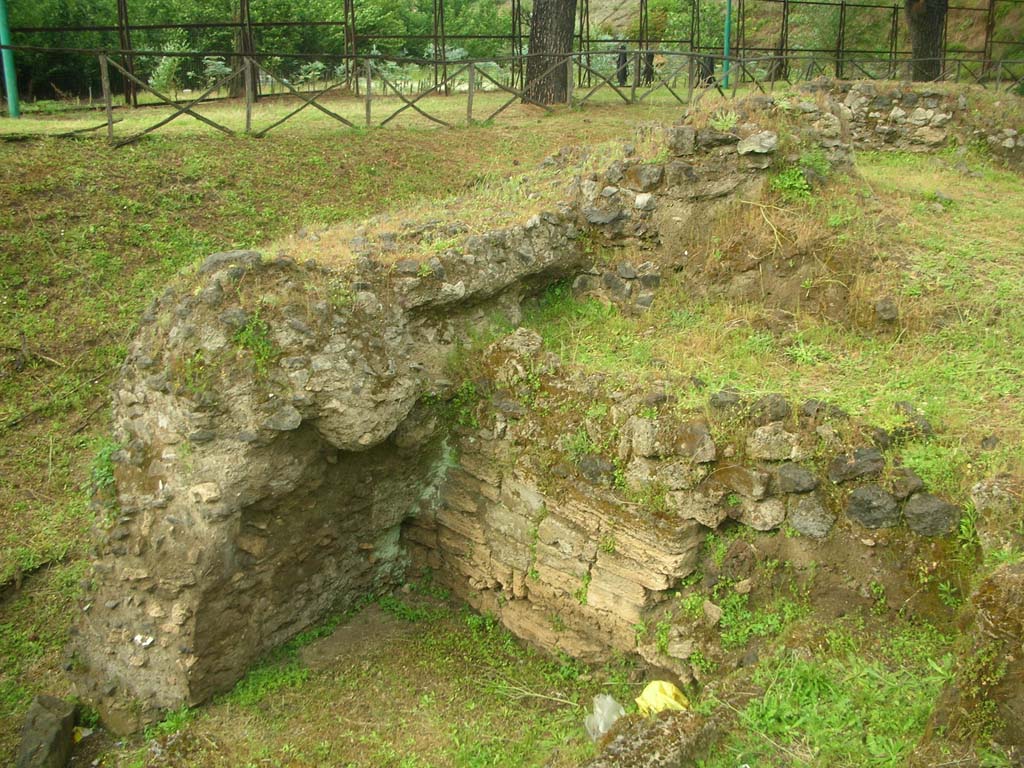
10, 80
725, 44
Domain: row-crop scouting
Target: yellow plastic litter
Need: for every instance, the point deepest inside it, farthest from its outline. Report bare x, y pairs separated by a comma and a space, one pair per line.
660, 695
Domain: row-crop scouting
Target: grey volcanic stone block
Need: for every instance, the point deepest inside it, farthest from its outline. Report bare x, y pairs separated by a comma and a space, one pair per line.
929, 515
873, 507
809, 516
861, 463
792, 478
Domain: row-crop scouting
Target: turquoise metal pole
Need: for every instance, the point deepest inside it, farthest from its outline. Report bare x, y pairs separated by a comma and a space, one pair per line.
10, 80
725, 45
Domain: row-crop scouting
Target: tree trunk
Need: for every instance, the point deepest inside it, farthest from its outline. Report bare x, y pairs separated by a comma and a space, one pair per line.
551, 30
926, 19
244, 46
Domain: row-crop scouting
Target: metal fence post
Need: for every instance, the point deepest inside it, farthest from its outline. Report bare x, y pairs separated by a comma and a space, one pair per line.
469, 95
690, 73
105, 81
10, 78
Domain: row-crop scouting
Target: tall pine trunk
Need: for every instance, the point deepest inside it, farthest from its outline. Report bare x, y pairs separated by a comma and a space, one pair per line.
926, 19
551, 29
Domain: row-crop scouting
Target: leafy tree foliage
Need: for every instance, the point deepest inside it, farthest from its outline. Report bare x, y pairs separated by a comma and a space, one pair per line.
405, 24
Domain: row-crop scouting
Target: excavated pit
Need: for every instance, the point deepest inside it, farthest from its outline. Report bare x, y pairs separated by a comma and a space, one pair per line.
294, 438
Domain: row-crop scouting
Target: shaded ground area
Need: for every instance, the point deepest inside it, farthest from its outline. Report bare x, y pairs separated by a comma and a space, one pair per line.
410, 680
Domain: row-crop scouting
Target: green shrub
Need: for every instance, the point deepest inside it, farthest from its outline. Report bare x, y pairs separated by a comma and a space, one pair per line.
791, 183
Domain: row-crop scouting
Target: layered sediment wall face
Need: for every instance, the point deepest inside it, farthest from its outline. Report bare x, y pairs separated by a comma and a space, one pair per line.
293, 438
574, 513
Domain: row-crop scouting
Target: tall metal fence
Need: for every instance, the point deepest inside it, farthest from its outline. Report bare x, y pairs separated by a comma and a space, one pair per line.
977, 34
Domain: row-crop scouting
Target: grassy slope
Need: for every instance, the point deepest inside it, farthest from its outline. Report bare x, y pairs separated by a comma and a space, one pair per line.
956, 269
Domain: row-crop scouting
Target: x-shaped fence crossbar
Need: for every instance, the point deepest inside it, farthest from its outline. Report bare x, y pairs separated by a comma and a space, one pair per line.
859, 67
307, 101
1016, 81
663, 81
1001, 75
606, 80
413, 103
517, 95
179, 110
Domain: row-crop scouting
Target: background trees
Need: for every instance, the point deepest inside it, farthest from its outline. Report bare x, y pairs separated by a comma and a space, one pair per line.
43, 74
403, 28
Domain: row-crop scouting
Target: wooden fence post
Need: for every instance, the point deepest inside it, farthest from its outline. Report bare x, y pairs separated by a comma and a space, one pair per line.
248, 66
105, 80
568, 81
369, 92
469, 97
690, 73
636, 77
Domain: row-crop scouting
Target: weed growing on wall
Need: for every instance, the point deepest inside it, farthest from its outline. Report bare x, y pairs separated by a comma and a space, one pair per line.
463, 405
101, 474
254, 337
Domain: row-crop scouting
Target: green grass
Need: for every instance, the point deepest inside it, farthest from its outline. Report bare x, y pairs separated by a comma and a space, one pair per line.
33, 631
435, 686
956, 354
851, 701
739, 624
254, 337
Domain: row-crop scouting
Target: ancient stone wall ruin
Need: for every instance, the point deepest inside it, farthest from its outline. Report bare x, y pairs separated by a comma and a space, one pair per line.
574, 549
286, 448
271, 450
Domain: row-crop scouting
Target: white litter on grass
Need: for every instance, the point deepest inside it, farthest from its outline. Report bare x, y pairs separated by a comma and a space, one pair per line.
606, 711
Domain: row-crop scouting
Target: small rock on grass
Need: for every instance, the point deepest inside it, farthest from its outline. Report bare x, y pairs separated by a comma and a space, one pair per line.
887, 310
712, 613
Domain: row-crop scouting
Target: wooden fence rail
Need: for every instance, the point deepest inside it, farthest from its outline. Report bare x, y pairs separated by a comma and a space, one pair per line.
691, 69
